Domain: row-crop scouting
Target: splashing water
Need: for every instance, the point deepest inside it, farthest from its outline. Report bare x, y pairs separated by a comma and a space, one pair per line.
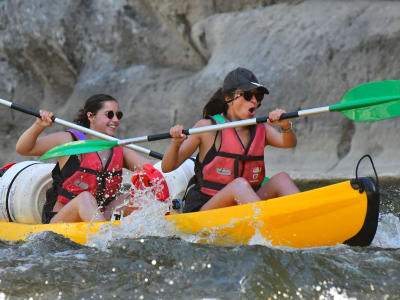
142, 215
388, 232
147, 218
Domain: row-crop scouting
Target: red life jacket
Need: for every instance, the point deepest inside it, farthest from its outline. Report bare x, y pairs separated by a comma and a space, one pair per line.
144, 178
232, 160
150, 176
89, 175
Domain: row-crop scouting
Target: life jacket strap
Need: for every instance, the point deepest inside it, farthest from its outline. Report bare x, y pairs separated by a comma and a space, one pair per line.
100, 173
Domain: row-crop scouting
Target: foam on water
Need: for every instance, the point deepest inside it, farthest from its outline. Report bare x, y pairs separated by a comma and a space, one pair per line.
149, 220
146, 219
388, 232
258, 239
336, 294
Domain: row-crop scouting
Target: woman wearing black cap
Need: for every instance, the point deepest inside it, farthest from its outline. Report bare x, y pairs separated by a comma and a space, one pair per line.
230, 163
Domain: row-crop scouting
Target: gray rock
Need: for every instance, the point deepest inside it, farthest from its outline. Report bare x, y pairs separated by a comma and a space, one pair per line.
164, 59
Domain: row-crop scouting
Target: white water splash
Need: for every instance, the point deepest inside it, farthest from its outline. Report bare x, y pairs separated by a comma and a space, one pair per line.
213, 235
3, 296
146, 219
149, 220
388, 232
336, 294
259, 239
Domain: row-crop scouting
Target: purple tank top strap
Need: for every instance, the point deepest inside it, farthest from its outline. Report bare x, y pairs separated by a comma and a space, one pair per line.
78, 134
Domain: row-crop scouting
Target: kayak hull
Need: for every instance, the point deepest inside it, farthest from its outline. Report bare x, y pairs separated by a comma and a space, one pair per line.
326, 216
345, 212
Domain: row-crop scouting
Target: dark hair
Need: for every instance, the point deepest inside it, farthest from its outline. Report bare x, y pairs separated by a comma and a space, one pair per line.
217, 103
93, 104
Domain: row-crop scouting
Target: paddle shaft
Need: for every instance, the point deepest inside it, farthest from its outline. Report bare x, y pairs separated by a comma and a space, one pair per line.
100, 135
301, 113
209, 128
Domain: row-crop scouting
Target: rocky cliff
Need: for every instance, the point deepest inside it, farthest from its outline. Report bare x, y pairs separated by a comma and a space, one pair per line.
163, 59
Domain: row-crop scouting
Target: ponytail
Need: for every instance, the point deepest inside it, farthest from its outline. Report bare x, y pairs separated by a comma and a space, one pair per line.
217, 104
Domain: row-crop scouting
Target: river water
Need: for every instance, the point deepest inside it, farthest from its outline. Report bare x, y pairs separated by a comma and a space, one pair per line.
169, 266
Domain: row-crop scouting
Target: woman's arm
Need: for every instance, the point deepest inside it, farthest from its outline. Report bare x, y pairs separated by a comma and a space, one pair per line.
284, 139
133, 160
30, 144
182, 147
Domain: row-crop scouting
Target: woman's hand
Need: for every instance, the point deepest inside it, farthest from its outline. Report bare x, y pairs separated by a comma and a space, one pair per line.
286, 138
274, 117
177, 134
45, 119
175, 155
30, 144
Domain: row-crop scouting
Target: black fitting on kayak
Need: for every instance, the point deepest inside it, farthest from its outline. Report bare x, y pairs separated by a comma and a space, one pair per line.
367, 232
364, 184
371, 187
358, 183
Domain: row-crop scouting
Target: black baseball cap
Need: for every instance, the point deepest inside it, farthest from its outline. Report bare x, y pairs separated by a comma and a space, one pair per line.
244, 80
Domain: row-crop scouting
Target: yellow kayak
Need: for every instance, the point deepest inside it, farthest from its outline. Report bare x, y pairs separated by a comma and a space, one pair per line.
342, 213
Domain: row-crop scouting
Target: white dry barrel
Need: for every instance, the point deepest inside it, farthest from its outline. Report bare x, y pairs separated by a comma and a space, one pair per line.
23, 192
178, 179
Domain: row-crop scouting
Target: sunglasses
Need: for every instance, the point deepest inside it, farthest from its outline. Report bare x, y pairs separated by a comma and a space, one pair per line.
248, 95
110, 114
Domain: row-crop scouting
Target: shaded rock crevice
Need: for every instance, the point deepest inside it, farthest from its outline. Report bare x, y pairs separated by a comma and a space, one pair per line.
347, 132
188, 36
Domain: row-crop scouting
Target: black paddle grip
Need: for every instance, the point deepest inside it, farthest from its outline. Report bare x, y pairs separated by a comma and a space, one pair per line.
155, 154
284, 116
289, 115
25, 110
160, 136
163, 136
28, 110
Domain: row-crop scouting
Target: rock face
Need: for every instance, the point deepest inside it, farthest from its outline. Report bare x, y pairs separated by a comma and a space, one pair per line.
163, 60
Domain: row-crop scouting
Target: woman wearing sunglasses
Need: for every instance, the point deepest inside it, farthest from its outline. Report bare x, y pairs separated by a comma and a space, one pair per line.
82, 183
229, 168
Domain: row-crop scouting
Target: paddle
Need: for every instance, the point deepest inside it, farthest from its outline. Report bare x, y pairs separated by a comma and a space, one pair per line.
80, 128
364, 103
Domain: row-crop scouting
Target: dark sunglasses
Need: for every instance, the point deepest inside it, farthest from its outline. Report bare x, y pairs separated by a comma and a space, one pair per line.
248, 95
110, 114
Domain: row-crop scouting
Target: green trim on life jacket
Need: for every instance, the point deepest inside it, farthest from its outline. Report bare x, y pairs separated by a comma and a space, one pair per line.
266, 179
219, 118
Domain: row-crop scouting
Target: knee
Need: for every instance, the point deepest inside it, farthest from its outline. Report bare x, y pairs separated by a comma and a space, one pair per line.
282, 176
241, 183
86, 197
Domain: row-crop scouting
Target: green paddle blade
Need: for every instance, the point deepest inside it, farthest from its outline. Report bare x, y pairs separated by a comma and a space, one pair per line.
371, 101
78, 147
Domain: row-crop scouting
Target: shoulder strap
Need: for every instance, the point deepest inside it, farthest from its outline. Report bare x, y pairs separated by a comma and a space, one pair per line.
77, 135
